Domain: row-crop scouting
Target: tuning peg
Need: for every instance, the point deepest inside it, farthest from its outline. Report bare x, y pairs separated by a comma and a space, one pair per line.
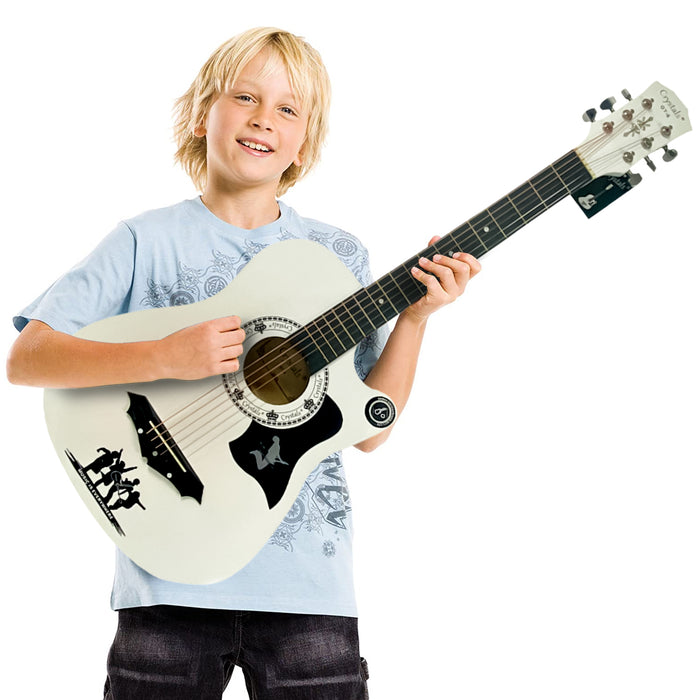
633, 178
650, 163
626, 95
669, 154
608, 103
589, 115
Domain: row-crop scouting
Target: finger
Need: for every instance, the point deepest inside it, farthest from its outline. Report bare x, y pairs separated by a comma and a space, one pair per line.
473, 263
232, 338
227, 323
463, 265
443, 271
432, 283
228, 365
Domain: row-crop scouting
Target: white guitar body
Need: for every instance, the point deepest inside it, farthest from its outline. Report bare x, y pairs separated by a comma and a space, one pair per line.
175, 536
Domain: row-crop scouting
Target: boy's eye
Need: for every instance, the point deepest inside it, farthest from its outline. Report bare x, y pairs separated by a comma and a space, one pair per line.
289, 110
244, 98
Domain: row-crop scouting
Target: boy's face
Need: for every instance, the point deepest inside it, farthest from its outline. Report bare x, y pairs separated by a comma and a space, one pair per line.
255, 130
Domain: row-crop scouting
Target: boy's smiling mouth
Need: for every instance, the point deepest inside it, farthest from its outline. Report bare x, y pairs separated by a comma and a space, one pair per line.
257, 146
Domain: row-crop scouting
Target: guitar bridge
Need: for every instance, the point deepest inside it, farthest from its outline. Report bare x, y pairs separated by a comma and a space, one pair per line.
161, 451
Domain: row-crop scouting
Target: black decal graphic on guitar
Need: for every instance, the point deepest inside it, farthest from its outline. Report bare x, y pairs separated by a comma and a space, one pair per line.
380, 412
120, 491
160, 449
270, 454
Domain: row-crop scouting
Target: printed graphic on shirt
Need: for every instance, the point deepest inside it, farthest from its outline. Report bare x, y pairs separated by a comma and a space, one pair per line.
109, 487
322, 509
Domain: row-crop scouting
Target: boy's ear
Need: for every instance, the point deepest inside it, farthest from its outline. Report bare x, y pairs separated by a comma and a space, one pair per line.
200, 130
299, 159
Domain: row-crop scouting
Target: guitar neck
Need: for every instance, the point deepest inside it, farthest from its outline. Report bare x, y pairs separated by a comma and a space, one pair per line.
341, 328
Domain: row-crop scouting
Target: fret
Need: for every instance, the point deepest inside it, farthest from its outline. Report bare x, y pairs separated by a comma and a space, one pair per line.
528, 201
398, 286
318, 346
554, 170
488, 231
376, 305
506, 216
329, 348
355, 301
382, 297
442, 246
323, 343
465, 245
548, 186
329, 335
340, 326
518, 212
351, 316
315, 358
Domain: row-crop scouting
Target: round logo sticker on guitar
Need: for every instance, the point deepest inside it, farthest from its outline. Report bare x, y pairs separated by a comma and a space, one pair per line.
380, 412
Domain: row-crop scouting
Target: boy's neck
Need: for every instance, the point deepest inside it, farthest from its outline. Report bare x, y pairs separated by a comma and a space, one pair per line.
244, 209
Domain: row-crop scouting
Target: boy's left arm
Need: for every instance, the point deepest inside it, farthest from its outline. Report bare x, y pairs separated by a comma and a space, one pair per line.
396, 367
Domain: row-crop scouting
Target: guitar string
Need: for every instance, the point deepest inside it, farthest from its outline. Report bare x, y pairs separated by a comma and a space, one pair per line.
211, 408
266, 371
471, 238
204, 413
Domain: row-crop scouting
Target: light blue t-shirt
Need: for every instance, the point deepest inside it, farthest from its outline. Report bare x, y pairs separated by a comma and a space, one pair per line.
180, 255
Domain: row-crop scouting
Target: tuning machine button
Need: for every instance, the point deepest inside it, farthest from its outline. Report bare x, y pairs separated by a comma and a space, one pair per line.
608, 103
650, 163
669, 154
626, 95
589, 115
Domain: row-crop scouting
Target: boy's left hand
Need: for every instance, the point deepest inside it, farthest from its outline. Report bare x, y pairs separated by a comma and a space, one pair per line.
447, 282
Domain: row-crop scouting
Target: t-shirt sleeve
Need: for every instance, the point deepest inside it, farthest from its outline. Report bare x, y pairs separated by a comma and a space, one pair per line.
97, 287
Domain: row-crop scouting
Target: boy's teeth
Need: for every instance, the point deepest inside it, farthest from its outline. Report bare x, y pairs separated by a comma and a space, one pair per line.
256, 146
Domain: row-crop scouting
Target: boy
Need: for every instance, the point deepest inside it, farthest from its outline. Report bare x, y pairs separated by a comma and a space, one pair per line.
250, 126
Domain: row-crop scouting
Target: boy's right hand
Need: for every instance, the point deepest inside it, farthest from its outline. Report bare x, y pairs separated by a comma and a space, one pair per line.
42, 356
203, 350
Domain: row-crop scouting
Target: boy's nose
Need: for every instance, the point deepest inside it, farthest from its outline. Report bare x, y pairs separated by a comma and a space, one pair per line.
261, 120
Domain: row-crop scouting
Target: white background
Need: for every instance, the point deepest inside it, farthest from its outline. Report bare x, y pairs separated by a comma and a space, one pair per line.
531, 529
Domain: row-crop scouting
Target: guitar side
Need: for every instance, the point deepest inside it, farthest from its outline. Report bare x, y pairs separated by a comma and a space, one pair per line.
226, 466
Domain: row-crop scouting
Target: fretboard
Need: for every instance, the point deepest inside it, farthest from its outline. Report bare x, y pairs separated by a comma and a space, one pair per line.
341, 328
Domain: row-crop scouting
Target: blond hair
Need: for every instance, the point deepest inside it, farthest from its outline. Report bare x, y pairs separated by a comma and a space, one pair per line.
309, 82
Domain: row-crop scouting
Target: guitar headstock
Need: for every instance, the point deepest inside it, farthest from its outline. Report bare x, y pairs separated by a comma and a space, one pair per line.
632, 132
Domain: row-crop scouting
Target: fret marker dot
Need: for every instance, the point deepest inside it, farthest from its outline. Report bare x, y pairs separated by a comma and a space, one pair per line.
486, 229
155, 453
381, 301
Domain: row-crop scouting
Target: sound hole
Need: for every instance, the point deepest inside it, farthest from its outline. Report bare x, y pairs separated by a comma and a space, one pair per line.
275, 371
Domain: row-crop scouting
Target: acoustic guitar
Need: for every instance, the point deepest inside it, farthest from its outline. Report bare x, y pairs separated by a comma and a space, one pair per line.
191, 478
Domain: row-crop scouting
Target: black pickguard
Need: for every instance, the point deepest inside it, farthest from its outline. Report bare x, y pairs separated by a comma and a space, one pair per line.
270, 454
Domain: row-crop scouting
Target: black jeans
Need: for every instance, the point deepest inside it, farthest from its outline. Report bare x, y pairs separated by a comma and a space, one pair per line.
174, 653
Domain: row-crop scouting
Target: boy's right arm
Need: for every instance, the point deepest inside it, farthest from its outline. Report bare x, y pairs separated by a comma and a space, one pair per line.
42, 356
